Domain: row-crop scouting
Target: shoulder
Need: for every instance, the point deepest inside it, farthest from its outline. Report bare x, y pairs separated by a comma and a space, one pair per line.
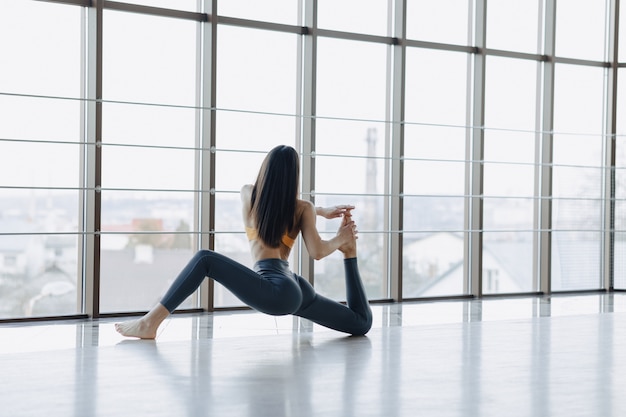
305, 210
245, 193
304, 205
246, 190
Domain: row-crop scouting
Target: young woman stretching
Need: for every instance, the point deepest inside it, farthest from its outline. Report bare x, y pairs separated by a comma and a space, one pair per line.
273, 217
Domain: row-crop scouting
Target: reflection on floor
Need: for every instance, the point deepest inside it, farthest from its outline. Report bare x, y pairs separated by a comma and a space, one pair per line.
540, 356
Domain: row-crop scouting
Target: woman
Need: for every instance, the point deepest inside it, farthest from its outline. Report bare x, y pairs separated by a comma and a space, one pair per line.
273, 217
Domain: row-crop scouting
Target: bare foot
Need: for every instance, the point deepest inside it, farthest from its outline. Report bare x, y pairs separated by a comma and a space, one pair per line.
349, 249
136, 328
145, 327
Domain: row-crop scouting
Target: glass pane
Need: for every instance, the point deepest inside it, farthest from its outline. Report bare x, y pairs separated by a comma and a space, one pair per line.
39, 273
147, 235
247, 166
138, 254
43, 54
571, 41
621, 103
577, 178
433, 224
576, 260
351, 79
253, 132
509, 174
434, 172
360, 16
432, 264
510, 105
275, 11
444, 21
364, 192
436, 87
576, 220
578, 104
352, 176
350, 154
513, 25
149, 59
507, 256
576, 223
620, 247
144, 168
256, 72
130, 124
29, 164
39, 196
620, 182
425, 143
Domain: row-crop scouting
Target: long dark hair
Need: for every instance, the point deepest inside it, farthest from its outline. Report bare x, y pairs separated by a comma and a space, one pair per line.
275, 193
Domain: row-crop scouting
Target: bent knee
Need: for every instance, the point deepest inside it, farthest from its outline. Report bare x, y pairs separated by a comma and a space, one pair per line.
204, 252
363, 327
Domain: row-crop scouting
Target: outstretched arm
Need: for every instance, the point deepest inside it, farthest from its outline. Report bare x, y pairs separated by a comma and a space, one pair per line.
334, 211
317, 247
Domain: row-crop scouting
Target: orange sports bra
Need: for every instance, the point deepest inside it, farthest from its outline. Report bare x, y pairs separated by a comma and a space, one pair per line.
252, 235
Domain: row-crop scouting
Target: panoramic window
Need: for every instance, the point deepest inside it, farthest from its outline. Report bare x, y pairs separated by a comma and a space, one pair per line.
620, 186
148, 171
39, 159
577, 178
185, 120
256, 101
349, 160
434, 173
509, 175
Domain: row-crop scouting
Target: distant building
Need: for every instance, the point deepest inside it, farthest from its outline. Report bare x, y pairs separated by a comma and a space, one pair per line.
20, 254
436, 263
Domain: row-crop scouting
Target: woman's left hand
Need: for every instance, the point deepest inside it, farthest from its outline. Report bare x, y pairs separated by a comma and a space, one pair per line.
335, 211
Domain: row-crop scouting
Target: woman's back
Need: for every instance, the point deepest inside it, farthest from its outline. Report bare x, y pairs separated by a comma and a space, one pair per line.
258, 248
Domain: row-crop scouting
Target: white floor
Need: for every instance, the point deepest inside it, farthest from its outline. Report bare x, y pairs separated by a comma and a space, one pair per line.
559, 356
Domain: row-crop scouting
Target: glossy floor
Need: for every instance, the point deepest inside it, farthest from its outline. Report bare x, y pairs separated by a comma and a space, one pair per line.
558, 356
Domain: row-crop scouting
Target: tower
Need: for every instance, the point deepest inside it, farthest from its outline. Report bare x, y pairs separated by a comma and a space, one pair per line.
370, 214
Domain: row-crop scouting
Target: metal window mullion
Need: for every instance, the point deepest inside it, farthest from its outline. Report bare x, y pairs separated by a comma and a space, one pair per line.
307, 111
205, 140
91, 159
475, 154
610, 130
87, 118
536, 272
151, 10
396, 183
545, 151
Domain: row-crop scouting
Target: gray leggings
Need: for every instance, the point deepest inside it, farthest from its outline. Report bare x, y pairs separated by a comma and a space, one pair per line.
273, 289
